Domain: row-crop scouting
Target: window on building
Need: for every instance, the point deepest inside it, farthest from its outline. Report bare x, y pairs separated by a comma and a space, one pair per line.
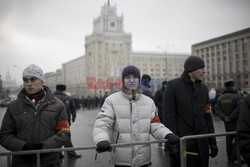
245, 76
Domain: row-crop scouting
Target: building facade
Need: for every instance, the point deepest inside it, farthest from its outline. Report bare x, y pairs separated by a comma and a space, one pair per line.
226, 57
107, 51
74, 76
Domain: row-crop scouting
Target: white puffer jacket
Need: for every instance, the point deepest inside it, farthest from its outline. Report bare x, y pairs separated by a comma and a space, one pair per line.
122, 120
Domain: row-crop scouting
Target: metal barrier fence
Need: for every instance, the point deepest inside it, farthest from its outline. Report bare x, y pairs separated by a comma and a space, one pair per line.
185, 138
65, 150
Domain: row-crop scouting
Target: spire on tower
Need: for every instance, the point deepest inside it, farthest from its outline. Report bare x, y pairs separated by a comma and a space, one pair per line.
108, 3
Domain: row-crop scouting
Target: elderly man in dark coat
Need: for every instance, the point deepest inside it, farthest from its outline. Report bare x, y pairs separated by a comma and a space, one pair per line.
186, 111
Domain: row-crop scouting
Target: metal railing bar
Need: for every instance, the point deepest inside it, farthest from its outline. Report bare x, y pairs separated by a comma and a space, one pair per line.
79, 148
38, 159
185, 138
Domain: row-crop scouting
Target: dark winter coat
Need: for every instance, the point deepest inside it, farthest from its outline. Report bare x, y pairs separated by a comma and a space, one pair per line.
69, 104
229, 106
186, 112
146, 91
44, 123
243, 130
158, 99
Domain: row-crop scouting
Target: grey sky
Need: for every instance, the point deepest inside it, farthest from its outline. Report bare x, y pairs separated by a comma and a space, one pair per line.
51, 32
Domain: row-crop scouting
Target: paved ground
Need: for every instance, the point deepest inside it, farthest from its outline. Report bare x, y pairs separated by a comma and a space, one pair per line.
81, 131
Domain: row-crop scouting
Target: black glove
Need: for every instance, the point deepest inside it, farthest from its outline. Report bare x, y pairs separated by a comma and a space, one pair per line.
172, 139
103, 146
214, 150
35, 146
173, 149
28, 146
30, 158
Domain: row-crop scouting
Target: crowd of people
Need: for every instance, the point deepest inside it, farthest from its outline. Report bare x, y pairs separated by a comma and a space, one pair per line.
39, 119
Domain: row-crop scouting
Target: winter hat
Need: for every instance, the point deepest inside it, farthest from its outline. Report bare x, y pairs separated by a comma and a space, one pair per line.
229, 83
61, 87
34, 71
193, 63
130, 70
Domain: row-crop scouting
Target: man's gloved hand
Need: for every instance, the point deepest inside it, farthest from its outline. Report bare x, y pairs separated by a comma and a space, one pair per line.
172, 139
214, 150
30, 157
28, 146
35, 146
103, 146
173, 149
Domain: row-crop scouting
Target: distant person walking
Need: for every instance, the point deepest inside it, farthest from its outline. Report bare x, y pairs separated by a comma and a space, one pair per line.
186, 111
71, 113
158, 99
35, 120
145, 85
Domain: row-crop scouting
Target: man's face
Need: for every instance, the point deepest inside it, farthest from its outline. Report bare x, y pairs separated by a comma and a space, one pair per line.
32, 85
198, 74
131, 82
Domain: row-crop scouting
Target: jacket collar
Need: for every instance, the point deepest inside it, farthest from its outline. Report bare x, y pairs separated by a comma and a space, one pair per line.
229, 90
186, 78
129, 95
48, 95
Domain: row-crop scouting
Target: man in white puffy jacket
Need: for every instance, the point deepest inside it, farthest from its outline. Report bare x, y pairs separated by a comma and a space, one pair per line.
127, 117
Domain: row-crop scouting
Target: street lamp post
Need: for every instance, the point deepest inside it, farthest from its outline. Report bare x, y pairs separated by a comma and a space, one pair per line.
165, 51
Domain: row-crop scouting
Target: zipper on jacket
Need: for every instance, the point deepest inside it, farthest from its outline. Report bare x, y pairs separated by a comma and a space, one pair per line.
131, 124
116, 141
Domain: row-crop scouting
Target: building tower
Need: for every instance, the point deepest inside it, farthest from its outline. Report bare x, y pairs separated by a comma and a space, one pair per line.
108, 49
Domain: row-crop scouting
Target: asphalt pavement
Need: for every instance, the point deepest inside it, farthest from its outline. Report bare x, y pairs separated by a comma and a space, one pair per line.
81, 133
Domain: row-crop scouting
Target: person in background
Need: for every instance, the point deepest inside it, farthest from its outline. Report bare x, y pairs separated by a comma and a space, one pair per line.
158, 99
243, 130
186, 111
35, 120
228, 108
145, 85
71, 113
129, 116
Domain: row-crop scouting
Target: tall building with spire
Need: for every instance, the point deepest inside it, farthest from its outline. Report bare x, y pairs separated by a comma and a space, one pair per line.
9, 83
109, 47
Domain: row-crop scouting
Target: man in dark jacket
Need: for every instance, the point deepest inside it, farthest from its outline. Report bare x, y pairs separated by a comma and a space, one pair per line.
71, 111
243, 130
186, 112
158, 99
228, 108
145, 85
36, 120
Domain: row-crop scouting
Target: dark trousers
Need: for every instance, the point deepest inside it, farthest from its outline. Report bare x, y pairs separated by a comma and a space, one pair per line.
129, 166
192, 161
231, 147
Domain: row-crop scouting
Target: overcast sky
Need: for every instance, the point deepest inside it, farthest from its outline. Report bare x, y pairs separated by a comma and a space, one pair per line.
51, 32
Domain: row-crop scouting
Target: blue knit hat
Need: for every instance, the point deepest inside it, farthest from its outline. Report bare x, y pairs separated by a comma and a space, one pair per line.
131, 70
